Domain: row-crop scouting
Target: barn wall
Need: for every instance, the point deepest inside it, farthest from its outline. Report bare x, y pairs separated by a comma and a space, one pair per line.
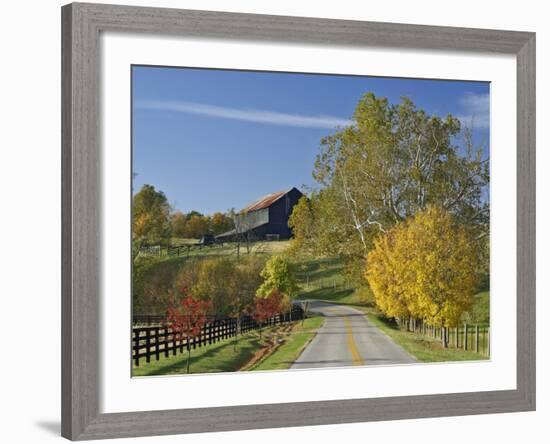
254, 218
279, 213
271, 220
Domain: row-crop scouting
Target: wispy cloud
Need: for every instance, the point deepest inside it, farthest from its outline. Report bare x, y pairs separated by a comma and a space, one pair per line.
247, 115
475, 110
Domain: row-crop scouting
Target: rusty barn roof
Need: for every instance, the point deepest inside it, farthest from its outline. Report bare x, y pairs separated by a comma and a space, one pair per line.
265, 201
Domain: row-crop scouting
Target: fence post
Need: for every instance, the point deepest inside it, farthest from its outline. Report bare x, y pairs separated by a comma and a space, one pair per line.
136, 347
465, 337
166, 349
157, 351
477, 338
147, 345
488, 341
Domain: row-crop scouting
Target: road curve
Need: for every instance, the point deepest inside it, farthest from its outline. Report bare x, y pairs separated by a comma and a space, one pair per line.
348, 338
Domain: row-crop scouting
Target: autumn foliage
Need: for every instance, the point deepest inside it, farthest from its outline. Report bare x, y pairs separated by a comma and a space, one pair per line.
425, 267
188, 317
268, 306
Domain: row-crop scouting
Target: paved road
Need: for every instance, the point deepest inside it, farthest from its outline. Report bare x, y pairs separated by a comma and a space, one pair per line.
348, 338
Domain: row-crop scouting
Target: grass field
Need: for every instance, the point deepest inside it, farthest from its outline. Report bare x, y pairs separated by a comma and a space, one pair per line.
424, 348
323, 279
283, 357
225, 249
480, 312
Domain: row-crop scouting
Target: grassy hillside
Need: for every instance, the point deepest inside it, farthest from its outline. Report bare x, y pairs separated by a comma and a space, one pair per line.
324, 279
154, 274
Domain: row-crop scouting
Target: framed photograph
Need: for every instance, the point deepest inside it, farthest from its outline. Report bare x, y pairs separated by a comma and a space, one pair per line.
278, 221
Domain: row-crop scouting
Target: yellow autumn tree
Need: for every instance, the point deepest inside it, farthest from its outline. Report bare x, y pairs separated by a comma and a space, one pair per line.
425, 267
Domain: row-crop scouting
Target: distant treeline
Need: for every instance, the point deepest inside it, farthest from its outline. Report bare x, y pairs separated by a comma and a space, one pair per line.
195, 224
155, 222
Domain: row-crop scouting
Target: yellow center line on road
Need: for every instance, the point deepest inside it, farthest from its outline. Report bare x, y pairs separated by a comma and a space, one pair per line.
355, 355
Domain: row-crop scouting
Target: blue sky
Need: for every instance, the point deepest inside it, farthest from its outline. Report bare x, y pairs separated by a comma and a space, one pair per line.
216, 139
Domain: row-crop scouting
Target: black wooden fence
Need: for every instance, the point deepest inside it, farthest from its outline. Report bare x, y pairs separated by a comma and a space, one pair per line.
159, 340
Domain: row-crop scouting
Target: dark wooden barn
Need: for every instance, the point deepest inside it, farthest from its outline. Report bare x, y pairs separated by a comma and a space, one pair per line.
266, 218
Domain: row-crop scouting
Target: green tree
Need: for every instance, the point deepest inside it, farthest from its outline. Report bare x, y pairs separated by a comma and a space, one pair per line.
277, 275
216, 282
150, 221
194, 213
302, 224
390, 163
247, 280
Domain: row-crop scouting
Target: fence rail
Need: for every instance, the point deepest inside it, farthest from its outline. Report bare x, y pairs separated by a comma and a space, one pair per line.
147, 319
177, 250
475, 338
159, 340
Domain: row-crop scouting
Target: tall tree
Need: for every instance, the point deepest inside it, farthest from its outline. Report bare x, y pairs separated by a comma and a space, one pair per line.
220, 223
247, 280
215, 282
301, 222
196, 226
150, 221
391, 162
178, 222
277, 275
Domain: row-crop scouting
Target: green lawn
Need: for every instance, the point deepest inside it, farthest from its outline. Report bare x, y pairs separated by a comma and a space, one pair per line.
424, 348
480, 312
294, 344
323, 279
219, 357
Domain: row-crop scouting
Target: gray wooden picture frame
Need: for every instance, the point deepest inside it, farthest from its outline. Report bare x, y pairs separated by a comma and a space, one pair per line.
81, 232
